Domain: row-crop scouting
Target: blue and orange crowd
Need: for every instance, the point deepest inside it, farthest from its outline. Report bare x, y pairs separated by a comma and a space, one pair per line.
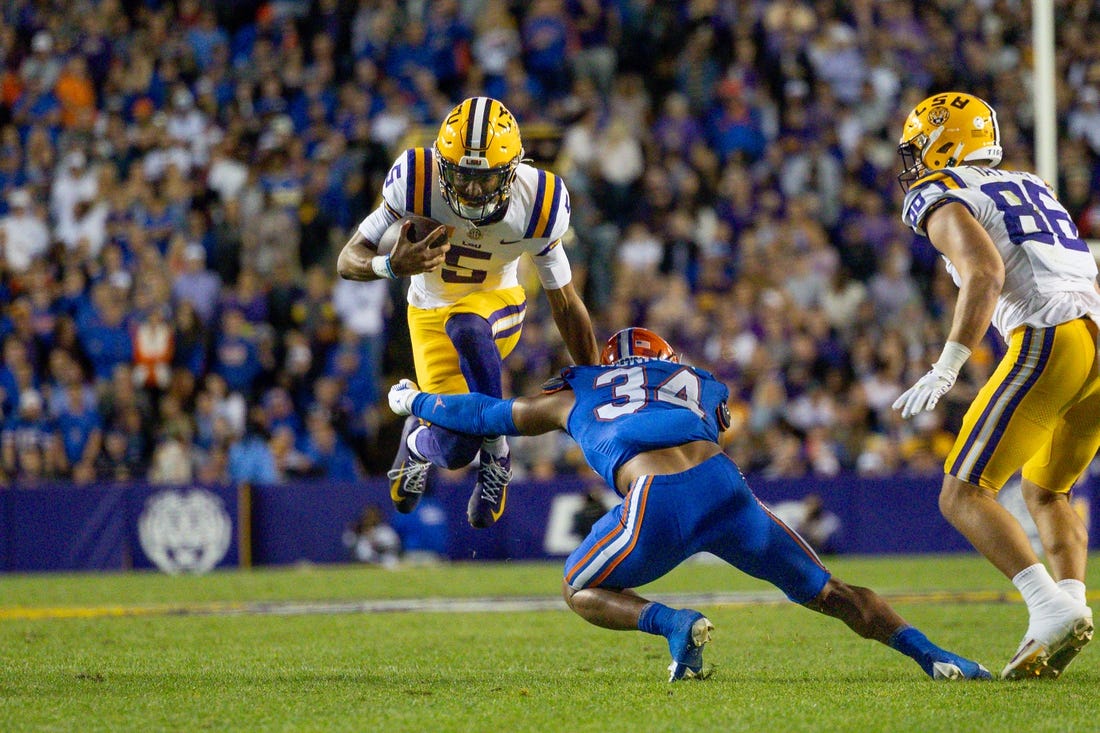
177, 177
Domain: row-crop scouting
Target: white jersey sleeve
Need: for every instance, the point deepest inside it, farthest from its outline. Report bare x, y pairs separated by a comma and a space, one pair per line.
553, 266
548, 223
407, 190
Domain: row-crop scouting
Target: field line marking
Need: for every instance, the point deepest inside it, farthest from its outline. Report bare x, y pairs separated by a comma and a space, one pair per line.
499, 604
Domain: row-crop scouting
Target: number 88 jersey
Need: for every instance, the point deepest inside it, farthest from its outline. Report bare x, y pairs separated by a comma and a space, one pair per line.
1049, 270
482, 257
638, 405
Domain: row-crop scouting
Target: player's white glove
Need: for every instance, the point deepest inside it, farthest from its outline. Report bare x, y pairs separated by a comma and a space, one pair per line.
926, 393
402, 395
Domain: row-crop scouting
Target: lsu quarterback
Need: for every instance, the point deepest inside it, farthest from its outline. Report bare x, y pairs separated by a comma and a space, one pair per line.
1020, 265
465, 304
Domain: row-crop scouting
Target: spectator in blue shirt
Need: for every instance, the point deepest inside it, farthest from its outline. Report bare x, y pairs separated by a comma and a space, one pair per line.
332, 459
107, 340
236, 358
250, 459
546, 45
80, 430
28, 442
204, 37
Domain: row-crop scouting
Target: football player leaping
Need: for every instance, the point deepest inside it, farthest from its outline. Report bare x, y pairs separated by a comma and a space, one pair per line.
649, 426
1019, 264
466, 305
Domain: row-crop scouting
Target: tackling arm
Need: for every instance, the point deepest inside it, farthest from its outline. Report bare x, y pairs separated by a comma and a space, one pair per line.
574, 324
479, 414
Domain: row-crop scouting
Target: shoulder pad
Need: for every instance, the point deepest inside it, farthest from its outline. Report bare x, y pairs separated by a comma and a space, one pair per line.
944, 177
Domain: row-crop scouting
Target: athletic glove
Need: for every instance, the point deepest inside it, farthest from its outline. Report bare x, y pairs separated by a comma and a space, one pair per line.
926, 393
401, 396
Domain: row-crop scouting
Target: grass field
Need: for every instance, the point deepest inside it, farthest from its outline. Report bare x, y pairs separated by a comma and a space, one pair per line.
331, 648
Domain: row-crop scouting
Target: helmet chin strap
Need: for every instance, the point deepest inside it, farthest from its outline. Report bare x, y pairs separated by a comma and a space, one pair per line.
954, 157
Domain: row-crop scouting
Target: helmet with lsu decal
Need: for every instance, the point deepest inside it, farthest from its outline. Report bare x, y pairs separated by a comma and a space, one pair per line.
478, 149
945, 130
637, 343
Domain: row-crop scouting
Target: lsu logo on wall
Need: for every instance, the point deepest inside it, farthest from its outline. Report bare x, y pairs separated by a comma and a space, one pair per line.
185, 531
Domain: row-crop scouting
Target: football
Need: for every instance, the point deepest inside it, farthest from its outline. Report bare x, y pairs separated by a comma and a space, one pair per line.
422, 226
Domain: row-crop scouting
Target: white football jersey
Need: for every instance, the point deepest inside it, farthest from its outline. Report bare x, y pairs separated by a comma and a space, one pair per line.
1050, 273
481, 257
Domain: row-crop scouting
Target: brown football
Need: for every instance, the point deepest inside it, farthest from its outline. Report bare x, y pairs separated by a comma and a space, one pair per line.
422, 226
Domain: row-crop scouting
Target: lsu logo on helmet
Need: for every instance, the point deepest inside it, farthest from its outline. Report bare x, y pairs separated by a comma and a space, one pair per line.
945, 130
478, 149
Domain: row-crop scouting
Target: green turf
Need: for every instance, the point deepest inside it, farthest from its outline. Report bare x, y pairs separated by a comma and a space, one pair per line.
776, 667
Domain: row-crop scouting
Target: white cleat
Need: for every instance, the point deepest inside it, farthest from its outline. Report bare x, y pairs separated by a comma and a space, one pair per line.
1035, 659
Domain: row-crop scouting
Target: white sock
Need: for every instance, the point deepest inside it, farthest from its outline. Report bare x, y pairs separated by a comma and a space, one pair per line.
497, 447
1075, 589
1037, 588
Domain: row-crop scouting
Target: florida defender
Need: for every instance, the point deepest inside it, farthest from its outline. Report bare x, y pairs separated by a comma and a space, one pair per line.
649, 426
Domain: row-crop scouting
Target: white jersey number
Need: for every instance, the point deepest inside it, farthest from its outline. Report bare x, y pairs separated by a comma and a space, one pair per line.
630, 393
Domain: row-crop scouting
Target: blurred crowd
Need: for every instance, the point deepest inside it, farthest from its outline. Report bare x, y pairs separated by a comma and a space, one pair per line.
176, 178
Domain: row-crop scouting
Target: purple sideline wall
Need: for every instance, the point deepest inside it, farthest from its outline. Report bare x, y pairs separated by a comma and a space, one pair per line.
116, 527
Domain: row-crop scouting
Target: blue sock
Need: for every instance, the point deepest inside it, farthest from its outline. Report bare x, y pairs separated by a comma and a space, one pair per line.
911, 642
656, 619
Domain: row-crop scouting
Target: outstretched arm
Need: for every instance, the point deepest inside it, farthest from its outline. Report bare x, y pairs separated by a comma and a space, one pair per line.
478, 414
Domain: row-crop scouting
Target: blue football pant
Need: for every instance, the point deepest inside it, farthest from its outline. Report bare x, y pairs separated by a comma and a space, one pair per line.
663, 520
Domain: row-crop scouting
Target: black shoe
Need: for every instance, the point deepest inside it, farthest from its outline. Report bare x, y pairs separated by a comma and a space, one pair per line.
409, 475
487, 502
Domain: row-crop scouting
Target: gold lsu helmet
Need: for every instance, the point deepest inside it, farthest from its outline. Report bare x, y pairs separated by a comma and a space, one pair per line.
945, 130
478, 149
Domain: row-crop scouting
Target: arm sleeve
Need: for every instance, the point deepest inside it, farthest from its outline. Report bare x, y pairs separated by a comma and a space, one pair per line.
473, 413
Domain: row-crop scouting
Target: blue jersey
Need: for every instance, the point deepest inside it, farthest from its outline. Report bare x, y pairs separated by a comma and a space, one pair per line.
640, 405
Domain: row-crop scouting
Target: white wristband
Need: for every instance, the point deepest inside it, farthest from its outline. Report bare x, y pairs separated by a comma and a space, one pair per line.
953, 357
380, 264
